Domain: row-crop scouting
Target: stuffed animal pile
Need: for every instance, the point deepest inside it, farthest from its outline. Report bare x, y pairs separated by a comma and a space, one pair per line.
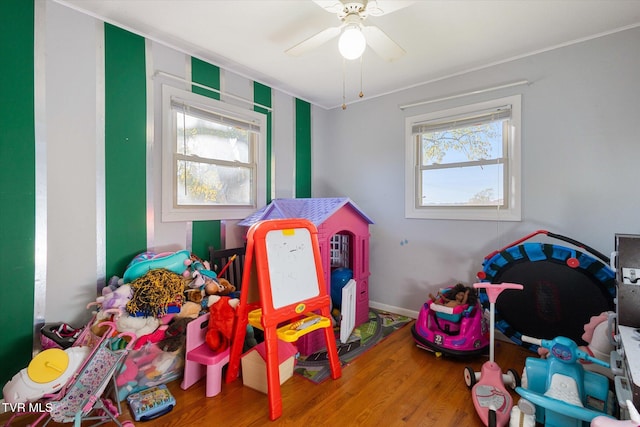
155, 299
158, 289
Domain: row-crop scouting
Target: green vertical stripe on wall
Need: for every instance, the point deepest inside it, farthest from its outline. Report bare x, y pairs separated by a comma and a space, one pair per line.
207, 75
205, 233
303, 149
262, 96
125, 148
17, 186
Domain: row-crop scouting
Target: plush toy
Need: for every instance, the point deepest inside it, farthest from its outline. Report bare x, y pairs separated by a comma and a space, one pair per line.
142, 325
114, 283
220, 286
194, 295
194, 263
117, 299
596, 334
198, 271
157, 335
221, 318
213, 287
189, 310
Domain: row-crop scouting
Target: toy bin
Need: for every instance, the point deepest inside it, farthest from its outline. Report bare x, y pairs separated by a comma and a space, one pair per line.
254, 366
147, 367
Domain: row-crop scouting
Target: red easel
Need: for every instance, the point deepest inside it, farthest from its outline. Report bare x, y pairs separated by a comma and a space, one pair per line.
284, 257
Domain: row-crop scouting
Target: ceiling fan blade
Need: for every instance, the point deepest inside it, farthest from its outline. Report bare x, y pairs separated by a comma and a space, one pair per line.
382, 7
382, 44
314, 41
332, 6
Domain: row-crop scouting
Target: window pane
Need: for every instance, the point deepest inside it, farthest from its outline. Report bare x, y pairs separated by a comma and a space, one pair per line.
207, 184
464, 186
476, 142
211, 140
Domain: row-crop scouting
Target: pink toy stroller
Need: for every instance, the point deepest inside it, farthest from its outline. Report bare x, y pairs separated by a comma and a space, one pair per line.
81, 398
455, 331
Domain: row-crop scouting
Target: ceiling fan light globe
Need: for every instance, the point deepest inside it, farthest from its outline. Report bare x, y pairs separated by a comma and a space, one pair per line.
352, 43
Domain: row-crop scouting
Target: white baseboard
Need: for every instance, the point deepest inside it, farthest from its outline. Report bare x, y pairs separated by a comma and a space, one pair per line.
393, 309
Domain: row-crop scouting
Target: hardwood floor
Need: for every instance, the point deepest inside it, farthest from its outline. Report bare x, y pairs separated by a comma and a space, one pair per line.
393, 384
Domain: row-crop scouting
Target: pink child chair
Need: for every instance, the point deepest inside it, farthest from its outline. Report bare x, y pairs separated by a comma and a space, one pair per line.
201, 360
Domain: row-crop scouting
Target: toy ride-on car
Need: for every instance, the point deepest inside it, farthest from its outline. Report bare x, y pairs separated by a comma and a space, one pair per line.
563, 392
454, 331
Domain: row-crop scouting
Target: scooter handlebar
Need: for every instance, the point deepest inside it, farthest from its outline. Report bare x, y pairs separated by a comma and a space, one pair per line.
501, 286
494, 289
531, 340
579, 354
584, 356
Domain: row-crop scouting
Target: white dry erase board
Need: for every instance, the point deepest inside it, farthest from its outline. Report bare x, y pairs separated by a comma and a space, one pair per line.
292, 267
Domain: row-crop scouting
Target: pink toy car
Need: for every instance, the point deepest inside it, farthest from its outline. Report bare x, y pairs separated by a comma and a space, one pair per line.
456, 331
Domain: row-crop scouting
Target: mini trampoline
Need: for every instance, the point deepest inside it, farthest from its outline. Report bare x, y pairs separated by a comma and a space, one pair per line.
563, 288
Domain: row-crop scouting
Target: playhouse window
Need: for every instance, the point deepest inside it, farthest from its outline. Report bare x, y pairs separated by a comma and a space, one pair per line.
213, 158
340, 251
464, 163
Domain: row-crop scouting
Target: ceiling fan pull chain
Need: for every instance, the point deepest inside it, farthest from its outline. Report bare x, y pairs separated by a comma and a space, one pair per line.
361, 94
344, 85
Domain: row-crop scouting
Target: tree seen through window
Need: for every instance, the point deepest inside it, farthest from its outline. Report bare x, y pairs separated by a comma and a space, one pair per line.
463, 165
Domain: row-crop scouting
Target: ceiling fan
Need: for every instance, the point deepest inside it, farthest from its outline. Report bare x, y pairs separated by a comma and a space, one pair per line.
352, 14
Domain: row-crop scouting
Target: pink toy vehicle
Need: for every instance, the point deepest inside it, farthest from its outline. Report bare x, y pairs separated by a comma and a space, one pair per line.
491, 399
455, 331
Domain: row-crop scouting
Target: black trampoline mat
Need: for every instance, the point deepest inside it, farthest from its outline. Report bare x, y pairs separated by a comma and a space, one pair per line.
557, 300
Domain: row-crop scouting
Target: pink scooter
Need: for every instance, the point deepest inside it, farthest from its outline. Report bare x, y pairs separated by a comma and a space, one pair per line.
490, 397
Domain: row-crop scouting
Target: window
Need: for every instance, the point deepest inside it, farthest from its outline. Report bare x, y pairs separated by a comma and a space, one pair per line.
213, 158
339, 252
464, 163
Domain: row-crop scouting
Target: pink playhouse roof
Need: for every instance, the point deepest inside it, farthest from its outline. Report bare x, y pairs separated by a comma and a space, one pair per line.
316, 210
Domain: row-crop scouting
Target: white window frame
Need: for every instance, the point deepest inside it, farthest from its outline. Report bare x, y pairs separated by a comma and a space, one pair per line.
170, 210
512, 186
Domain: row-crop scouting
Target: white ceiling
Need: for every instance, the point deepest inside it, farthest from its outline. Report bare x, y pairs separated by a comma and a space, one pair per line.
441, 37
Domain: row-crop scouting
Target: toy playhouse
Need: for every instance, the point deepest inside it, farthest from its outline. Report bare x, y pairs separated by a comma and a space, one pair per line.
343, 239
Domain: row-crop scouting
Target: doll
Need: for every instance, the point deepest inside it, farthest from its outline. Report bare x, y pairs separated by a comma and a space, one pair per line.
453, 297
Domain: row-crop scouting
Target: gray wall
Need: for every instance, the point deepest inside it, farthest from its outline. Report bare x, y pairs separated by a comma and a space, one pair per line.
580, 153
